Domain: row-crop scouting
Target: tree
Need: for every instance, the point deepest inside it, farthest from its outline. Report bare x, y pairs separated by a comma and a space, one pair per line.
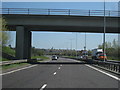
4, 33
112, 49
115, 44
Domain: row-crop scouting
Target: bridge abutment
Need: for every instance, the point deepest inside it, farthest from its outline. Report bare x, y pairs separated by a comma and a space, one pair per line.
23, 43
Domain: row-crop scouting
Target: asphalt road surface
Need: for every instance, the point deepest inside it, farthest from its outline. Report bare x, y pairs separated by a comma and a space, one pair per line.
44, 76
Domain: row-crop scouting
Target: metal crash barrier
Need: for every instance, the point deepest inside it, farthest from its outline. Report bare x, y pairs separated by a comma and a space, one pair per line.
111, 66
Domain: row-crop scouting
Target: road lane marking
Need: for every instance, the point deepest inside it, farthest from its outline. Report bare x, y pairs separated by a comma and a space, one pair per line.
104, 72
54, 73
43, 86
61, 65
59, 68
18, 70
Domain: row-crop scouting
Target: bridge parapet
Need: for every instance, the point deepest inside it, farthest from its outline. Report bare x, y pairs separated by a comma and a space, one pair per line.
75, 12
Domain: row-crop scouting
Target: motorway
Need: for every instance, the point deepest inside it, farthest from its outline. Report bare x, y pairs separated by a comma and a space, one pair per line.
58, 76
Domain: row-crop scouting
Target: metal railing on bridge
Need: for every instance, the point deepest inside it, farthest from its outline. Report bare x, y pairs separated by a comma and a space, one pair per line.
76, 12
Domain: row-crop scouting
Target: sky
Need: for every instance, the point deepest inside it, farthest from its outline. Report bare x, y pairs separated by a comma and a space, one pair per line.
64, 40
59, 0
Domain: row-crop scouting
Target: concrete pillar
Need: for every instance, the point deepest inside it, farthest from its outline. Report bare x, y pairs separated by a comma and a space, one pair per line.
23, 43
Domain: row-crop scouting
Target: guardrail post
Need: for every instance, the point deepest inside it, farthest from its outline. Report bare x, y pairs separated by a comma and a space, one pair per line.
28, 11
69, 12
8, 11
89, 12
48, 11
108, 66
109, 13
119, 69
114, 67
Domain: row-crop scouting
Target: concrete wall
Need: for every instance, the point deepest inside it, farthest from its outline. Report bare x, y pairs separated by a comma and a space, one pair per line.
23, 43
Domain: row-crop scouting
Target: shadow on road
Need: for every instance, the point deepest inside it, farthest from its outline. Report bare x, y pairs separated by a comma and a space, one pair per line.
61, 62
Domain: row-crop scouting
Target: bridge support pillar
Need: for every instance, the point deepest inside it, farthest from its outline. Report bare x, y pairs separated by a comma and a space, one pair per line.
23, 43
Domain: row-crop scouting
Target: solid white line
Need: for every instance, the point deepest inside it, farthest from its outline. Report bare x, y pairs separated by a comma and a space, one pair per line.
18, 70
59, 68
104, 72
54, 73
43, 86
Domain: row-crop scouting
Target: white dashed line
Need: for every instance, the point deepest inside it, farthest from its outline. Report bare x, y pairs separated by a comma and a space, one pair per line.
59, 68
54, 73
43, 86
18, 70
104, 72
60, 65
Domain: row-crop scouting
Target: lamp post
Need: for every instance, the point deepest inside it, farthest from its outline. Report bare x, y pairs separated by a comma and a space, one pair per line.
104, 31
71, 46
76, 45
85, 44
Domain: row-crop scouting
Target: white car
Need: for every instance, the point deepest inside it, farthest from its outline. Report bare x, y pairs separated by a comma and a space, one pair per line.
54, 57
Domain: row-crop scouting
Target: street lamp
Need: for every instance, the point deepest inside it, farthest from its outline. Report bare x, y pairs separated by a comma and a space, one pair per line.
85, 45
85, 42
104, 31
76, 44
71, 44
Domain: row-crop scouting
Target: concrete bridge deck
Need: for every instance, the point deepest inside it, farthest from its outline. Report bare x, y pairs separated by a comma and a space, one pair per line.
63, 23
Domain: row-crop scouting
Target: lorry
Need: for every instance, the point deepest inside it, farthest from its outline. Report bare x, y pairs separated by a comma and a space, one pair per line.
102, 56
95, 53
98, 54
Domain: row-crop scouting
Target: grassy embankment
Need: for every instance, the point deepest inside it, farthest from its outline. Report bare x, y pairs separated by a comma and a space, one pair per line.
43, 58
5, 67
11, 52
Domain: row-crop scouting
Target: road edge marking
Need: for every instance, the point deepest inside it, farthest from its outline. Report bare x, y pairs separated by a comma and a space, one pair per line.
117, 78
17, 70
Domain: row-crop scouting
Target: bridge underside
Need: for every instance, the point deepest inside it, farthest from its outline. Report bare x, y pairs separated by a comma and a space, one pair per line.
68, 29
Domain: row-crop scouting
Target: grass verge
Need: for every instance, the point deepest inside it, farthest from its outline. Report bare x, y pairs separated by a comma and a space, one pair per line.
4, 59
8, 50
70, 56
41, 57
5, 67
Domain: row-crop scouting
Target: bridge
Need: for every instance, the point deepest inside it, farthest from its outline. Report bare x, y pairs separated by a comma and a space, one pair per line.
25, 20
77, 75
